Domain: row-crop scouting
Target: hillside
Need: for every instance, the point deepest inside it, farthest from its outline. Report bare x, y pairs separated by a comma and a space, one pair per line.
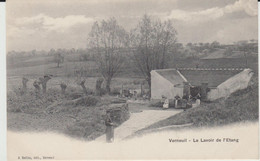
252, 62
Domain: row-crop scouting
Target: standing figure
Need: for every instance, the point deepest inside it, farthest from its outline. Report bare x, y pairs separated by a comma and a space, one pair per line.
177, 98
109, 128
198, 97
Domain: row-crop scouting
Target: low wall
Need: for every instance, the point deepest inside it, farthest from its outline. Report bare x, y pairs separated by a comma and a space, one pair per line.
119, 112
237, 82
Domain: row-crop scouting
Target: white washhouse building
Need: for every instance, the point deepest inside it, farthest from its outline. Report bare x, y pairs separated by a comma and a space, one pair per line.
210, 83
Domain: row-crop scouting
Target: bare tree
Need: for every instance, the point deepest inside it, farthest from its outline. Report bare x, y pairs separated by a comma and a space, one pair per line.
82, 84
151, 42
247, 49
108, 40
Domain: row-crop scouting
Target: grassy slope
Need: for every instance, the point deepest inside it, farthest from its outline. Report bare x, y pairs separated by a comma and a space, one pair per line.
83, 120
240, 106
219, 63
39, 65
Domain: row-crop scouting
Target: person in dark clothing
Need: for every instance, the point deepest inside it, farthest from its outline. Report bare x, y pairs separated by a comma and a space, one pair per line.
109, 128
198, 96
185, 97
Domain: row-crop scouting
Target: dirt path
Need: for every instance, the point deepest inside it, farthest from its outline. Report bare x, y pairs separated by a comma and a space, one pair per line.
139, 121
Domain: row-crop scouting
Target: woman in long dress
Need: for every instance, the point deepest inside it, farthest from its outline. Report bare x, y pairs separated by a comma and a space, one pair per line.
198, 99
109, 128
166, 104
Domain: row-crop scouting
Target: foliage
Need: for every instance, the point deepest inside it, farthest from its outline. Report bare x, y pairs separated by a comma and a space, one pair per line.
88, 101
31, 103
58, 58
84, 120
115, 91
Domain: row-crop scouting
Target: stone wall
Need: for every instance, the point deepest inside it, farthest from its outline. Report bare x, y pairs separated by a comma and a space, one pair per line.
119, 113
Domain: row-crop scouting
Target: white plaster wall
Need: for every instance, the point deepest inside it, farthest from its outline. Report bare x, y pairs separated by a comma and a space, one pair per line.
161, 86
237, 82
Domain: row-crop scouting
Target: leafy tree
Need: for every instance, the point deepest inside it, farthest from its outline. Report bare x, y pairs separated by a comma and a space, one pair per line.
52, 52
189, 44
58, 58
247, 49
151, 42
215, 44
108, 40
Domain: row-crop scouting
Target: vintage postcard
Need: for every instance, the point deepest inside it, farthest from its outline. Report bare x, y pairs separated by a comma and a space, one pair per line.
132, 79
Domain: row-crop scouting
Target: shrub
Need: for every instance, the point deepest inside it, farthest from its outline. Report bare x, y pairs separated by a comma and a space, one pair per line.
102, 91
160, 104
137, 82
115, 91
119, 113
90, 91
87, 101
30, 102
156, 104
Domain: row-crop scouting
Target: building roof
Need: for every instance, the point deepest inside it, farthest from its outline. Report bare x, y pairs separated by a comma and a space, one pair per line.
171, 75
196, 76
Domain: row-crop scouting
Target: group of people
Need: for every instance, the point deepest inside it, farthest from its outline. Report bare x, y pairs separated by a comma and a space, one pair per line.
188, 101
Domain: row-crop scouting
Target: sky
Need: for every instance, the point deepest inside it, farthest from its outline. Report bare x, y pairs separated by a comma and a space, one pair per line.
46, 24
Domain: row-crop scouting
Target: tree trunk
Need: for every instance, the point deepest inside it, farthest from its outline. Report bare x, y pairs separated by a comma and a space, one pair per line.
37, 88
142, 90
82, 84
63, 88
84, 88
24, 81
108, 82
44, 81
150, 84
44, 86
98, 86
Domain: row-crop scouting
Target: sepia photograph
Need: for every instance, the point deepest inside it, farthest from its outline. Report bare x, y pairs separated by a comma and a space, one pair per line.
132, 79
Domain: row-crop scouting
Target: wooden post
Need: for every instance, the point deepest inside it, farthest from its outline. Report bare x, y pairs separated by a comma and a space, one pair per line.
141, 89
